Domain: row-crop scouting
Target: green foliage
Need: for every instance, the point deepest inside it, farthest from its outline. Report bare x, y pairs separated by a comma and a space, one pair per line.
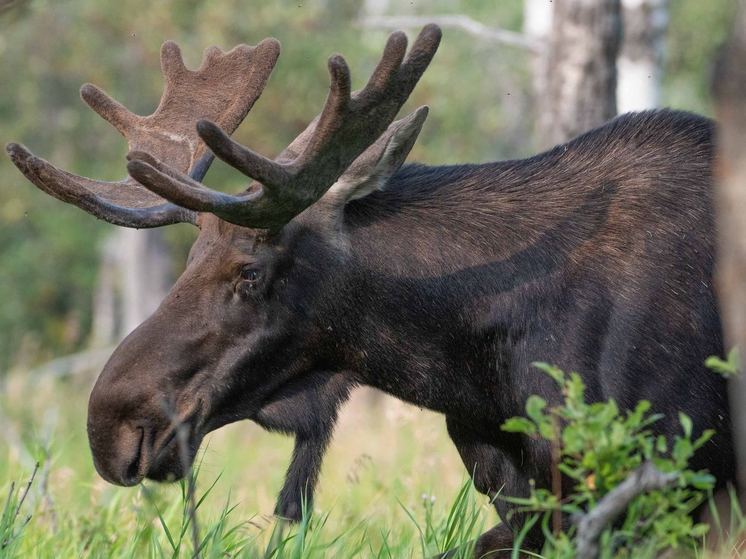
163, 529
728, 367
480, 93
697, 30
49, 250
599, 447
12, 522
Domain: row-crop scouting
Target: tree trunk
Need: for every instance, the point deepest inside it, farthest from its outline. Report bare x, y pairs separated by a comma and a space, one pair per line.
537, 25
730, 91
537, 18
641, 58
580, 85
104, 326
144, 275
133, 279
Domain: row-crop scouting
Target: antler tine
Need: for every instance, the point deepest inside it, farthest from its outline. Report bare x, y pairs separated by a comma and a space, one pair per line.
223, 88
420, 56
109, 109
245, 160
181, 189
348, 124
72, 189
172, 63
391, 60
337, 104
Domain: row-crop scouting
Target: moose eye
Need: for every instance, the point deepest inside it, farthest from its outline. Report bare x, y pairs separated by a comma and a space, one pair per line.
251, 275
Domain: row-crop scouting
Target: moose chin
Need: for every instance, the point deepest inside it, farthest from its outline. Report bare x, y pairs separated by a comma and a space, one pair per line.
340, 266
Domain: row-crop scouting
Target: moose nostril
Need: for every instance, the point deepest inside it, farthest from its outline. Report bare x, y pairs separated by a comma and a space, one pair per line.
133, 475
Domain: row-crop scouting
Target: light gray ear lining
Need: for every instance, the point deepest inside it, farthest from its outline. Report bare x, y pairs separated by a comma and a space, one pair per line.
372, 169
404, 136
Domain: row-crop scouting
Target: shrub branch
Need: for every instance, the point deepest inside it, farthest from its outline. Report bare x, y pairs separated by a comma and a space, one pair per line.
645, 478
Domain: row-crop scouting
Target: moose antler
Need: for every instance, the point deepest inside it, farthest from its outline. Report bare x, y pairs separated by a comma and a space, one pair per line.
223, 88
309, 166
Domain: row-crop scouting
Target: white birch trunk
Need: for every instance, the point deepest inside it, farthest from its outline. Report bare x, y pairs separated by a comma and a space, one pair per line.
579, 91
640, 62
144, 275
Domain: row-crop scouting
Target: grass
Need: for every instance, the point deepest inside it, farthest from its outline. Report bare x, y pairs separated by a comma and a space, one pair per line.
392, 486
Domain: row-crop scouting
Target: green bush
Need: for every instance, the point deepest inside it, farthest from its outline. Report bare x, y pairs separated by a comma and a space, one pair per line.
598, 447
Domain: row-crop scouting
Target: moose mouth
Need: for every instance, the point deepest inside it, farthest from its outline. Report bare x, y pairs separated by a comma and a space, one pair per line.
168, 456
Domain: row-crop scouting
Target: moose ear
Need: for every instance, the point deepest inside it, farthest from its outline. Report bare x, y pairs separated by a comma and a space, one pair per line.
373, 168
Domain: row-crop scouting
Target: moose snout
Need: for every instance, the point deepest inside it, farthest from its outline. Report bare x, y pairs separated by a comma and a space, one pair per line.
144, 417
129, 444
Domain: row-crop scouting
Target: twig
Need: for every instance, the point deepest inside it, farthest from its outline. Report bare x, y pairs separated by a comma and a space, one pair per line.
182, 439
26, 490
556, 476
46, 496
645, 478
456, 21
13, 533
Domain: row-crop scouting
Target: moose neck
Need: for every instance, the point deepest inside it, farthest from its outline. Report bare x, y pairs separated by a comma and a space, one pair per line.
462, 276
470, 255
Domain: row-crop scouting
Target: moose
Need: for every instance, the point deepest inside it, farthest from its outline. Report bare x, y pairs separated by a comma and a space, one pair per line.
340, 266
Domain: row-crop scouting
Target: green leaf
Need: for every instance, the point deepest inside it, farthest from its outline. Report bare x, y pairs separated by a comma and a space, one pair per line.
575, 388
686, 424
682, 451
634, 418
618, 434
557, 374
701, 480
547, 430
611, 411
534, 408
734, 358
661, 444
699, 530
703, 438
729, 367
519, 425
572, 439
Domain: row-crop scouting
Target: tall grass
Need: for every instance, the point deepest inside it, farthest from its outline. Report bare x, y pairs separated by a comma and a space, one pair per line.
392, 486
161, 528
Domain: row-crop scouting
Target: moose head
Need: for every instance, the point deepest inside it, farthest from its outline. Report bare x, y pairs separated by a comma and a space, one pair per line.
254, 309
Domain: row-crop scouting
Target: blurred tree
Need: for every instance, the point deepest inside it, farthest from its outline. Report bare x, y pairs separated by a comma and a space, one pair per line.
537, 25
639, 65
144, 274
696, 30
730, 88
480, 92
580, 85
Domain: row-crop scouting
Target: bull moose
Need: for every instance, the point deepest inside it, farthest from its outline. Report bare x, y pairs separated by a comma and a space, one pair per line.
338, 267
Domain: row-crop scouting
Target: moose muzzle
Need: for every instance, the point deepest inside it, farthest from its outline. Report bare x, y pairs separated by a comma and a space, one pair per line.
143, 417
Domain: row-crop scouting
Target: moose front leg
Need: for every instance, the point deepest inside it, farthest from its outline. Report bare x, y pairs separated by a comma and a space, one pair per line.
301, 476
306, 408
494, 473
